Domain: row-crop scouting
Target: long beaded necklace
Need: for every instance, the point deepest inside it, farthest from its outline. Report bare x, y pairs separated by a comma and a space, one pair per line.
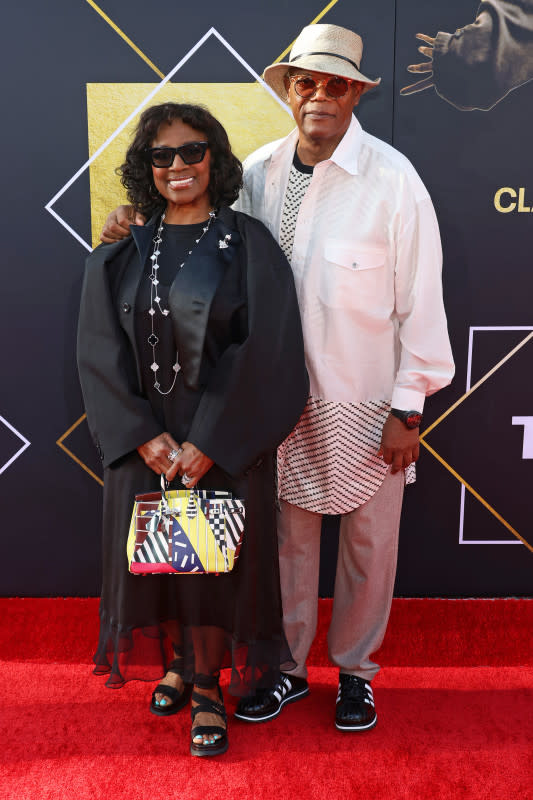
153, 339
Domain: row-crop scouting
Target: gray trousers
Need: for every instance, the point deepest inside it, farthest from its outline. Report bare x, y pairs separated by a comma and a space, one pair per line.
364, 581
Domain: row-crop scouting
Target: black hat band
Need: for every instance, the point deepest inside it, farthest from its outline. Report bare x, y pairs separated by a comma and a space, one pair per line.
331, 55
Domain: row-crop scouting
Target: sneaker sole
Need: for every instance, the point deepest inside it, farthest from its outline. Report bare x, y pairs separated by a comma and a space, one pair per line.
299, 696
357, 727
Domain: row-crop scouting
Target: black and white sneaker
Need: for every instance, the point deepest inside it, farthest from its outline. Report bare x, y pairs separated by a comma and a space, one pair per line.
266, 704
355, 704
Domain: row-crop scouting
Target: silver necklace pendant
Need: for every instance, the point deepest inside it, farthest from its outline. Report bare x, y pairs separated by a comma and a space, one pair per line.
153, 339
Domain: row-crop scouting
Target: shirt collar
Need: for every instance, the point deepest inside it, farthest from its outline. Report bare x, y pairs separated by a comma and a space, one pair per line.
286, 145
346, 154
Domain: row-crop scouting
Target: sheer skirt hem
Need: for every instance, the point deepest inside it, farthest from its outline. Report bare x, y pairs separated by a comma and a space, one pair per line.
126, 653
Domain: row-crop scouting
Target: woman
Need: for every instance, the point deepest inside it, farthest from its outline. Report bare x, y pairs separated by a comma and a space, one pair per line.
191, 363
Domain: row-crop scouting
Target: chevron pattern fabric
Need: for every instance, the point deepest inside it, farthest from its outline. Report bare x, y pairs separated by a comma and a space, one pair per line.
329, 462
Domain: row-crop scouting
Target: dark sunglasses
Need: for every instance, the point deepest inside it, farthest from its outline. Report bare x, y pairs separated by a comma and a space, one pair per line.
190, 153
305, 86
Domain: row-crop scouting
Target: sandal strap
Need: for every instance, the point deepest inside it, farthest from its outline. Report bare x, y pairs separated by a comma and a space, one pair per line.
202, 730
168, 691
209, 708
176, 666
202, 698
205, 704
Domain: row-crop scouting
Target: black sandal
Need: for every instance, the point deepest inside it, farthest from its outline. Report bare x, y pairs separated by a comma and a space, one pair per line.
179, 699
219, 746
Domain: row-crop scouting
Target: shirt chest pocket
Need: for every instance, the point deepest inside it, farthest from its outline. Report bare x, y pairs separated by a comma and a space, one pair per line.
354, 276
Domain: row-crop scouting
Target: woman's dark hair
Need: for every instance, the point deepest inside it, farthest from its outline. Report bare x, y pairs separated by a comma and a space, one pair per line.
225, 178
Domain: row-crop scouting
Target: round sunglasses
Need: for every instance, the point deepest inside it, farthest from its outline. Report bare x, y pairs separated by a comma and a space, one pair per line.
190, 153
306, 87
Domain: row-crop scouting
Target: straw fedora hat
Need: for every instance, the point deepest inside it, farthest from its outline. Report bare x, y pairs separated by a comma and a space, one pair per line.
322, 48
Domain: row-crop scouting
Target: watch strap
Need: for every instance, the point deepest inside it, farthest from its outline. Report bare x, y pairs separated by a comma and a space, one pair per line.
411, 419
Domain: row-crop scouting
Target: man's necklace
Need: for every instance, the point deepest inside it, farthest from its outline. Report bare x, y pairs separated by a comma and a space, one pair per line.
153, 339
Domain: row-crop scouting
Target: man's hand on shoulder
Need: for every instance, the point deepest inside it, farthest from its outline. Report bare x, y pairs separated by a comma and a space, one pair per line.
399, 445
117, 224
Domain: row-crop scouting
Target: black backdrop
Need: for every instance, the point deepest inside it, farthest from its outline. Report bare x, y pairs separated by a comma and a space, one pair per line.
453, 542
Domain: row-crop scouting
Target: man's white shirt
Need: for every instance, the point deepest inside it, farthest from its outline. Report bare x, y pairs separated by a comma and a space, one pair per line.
367, 261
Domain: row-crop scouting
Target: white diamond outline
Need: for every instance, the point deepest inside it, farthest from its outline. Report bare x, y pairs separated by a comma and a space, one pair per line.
21, 437
211, 32
472, 330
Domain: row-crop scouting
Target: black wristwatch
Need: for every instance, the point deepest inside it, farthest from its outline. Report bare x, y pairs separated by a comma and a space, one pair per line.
411, 419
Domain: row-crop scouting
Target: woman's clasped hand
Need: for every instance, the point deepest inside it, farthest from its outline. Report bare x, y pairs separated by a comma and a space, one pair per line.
166, 457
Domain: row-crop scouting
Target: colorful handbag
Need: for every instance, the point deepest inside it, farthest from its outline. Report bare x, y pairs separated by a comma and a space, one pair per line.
185, 531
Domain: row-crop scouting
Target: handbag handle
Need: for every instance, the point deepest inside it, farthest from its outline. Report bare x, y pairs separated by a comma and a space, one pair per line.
164, 487
164, 499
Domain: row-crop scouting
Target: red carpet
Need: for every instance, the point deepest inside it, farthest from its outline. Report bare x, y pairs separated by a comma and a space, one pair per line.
448, 729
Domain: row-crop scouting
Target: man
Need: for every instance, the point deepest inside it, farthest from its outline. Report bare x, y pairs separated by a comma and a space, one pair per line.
359, 229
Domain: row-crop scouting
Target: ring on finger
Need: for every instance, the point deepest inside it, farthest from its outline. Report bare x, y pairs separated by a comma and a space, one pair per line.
172, 456
185, 479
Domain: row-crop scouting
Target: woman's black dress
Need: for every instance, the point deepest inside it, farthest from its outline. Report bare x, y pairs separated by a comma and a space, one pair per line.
224, 620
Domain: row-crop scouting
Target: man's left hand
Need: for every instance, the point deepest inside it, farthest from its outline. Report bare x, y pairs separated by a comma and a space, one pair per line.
399, 445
